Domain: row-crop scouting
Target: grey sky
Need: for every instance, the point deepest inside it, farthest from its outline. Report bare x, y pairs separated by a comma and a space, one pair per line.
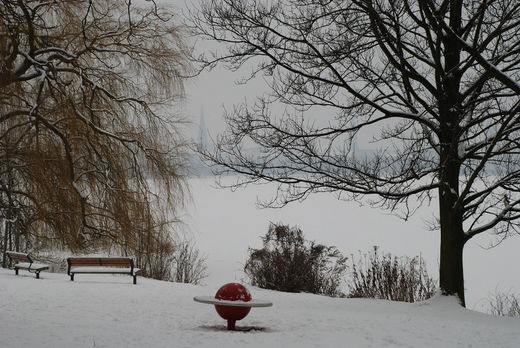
212, 91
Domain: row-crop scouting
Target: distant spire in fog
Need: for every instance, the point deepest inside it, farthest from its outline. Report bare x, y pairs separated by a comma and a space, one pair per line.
203, 131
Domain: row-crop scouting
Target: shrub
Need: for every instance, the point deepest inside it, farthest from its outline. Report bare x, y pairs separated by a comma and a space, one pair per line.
391, 278
153, 252
172, 260
506, 305
287, 262
190, 266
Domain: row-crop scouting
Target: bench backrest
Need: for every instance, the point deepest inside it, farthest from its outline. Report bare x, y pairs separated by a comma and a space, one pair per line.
100, 262
19, 257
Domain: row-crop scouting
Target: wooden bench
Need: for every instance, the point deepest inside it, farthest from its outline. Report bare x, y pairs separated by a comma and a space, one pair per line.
102, 265
24, 261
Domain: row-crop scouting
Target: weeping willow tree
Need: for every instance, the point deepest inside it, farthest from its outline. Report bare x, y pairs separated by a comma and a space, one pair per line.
90, 149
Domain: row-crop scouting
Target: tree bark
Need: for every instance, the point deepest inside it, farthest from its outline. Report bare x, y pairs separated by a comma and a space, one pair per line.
4, 251
451, 274
451, 271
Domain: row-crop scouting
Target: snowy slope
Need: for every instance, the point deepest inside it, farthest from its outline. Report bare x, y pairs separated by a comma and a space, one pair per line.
108, 311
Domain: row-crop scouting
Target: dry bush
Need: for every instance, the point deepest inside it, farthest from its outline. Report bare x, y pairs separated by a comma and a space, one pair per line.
155, 254
189, 265
163, 255
288, 262
506, 305
392, 278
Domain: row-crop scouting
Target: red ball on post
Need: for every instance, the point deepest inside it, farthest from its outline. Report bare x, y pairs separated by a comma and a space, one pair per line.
232, 292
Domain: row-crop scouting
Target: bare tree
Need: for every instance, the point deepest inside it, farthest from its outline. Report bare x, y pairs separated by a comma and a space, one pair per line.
89, 145
434, 81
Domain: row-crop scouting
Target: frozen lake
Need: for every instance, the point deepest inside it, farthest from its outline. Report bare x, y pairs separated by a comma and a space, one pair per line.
225, 223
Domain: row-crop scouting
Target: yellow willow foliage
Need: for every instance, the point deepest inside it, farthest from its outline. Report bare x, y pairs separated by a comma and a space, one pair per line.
90, 150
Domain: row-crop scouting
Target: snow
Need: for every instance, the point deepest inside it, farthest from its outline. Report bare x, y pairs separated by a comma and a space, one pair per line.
236, 303
103, 270
107, 311
31, 265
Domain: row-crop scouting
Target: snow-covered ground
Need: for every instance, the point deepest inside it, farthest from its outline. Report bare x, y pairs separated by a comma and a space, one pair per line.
108, 311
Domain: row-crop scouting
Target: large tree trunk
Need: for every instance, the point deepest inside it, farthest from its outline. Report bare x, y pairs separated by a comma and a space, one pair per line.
451, 274
4, 250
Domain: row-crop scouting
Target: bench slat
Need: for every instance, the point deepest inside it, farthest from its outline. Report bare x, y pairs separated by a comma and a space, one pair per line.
99, 261
100, 270
19, 257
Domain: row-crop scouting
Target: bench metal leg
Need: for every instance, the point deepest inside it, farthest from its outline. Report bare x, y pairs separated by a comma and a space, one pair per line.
37, 274
135, 279
72, 277
16, 271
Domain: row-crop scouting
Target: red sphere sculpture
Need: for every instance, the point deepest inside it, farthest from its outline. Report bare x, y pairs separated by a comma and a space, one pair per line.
232, 302
232, 292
